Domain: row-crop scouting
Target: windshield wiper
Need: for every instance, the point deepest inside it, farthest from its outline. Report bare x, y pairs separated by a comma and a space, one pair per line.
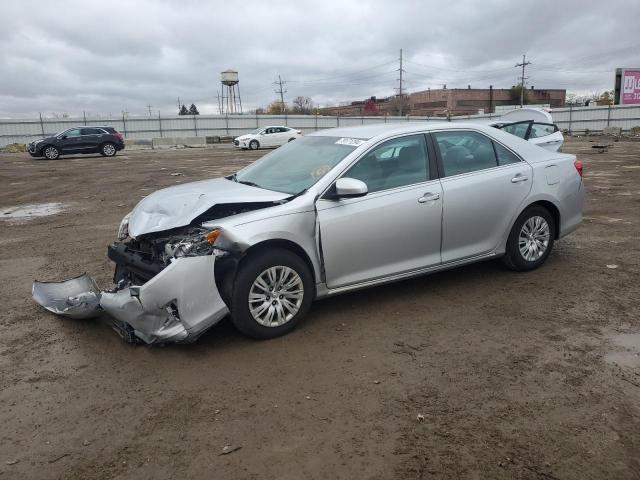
251, 184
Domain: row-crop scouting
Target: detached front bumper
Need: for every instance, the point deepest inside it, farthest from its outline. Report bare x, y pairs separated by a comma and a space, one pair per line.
177, 305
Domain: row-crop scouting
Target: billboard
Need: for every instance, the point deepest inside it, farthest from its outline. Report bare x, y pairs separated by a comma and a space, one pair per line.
627, 86
630, 87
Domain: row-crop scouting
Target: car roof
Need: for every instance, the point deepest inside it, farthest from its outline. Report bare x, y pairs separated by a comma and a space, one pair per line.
90, 126
366, 132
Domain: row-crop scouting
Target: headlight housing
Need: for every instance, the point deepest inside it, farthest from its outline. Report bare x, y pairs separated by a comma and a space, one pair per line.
123, 229
198, 243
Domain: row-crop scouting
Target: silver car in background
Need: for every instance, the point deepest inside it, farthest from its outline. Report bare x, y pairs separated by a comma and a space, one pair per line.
334, 211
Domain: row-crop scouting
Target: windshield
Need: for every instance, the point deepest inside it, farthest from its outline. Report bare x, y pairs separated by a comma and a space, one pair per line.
256, 131
296, 165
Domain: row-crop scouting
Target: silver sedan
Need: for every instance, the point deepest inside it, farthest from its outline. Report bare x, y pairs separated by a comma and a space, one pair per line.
334, 211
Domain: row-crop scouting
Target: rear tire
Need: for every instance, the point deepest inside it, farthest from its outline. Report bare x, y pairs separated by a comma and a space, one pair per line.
530, 240
51, 153
108, 149
254, 145
261, 313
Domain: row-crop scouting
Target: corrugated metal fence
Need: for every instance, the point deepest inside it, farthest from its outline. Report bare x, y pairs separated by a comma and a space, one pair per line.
574, 119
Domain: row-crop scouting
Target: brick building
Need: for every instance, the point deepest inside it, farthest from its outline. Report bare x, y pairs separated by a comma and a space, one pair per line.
453, 101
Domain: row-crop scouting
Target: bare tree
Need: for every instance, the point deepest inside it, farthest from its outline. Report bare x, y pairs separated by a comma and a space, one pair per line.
302, 105
275, 108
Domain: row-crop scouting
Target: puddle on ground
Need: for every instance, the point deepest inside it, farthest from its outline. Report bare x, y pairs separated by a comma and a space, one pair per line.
627, 353
25, 212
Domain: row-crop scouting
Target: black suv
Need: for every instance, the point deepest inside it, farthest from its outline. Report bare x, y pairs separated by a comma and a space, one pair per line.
104, 140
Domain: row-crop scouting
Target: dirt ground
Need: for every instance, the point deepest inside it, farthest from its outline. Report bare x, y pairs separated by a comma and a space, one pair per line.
530, 376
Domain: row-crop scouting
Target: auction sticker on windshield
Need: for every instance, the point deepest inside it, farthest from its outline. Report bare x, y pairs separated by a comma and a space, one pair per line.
354, 142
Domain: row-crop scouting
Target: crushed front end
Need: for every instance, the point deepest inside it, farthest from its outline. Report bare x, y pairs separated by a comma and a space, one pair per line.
165, 287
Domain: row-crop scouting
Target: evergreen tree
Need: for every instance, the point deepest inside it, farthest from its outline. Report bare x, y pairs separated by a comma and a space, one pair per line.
193, 110
183, 111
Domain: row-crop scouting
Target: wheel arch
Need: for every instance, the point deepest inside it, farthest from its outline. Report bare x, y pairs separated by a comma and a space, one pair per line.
284, 244
41, 149
227, 269
553, 210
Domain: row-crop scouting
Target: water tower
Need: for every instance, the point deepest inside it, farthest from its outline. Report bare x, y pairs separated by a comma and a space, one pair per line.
230, 102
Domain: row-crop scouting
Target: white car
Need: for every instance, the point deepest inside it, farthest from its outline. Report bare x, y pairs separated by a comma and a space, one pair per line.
265, 137
532, 124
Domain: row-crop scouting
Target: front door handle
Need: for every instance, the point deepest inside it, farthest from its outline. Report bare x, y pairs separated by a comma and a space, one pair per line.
519, 178
428, 197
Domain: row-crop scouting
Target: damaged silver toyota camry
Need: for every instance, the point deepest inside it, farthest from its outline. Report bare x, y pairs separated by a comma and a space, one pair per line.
334, 211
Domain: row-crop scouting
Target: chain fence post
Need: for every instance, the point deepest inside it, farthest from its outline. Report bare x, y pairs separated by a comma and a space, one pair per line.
316, 120
570, 116
195, 125
84, 115
226, 122
608, 114
42, 125
124, 125
160, 123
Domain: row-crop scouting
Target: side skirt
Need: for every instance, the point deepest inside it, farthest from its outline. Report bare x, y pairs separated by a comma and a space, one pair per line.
323, 291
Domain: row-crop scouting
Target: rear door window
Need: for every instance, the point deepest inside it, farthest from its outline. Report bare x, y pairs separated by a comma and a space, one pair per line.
518, 129
464, 152
541, 130
504, 155
92, 131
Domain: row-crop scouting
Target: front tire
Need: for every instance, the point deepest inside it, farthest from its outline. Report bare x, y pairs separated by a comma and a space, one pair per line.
531, 239
272, 293
108, 149
51, 153
254, 145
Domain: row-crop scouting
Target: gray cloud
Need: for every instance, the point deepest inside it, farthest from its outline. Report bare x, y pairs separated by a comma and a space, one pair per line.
105, 57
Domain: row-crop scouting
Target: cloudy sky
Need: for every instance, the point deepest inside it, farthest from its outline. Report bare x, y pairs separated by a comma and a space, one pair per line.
122, 55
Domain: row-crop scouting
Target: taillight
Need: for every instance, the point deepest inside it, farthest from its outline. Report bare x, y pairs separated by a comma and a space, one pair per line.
578, 165
118, 135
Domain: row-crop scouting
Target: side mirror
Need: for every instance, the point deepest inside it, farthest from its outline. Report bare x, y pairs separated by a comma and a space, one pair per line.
62, 137
350, 188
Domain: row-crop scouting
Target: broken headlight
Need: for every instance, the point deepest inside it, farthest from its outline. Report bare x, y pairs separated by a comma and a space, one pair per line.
123, 229
200, 242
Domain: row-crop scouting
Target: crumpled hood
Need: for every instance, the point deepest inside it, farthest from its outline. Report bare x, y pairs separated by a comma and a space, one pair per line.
177, 206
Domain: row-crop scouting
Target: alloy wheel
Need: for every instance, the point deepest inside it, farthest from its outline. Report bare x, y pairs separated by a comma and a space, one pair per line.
51, 153
534, 238
109, 150
276, 296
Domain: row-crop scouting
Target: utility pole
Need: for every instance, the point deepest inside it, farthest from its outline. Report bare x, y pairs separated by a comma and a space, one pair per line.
280, 90
400, 89
149, 108
522, 78
401, 101
219, 103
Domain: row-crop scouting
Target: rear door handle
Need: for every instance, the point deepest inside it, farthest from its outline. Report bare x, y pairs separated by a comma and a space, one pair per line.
428, 197
519, 178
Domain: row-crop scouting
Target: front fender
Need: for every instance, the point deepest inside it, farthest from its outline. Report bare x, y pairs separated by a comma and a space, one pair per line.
298, 228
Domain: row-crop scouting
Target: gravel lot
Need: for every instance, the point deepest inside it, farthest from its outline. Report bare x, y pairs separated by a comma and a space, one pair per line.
532, 376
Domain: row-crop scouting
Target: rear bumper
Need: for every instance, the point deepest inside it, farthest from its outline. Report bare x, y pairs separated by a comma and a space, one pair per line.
176, 305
